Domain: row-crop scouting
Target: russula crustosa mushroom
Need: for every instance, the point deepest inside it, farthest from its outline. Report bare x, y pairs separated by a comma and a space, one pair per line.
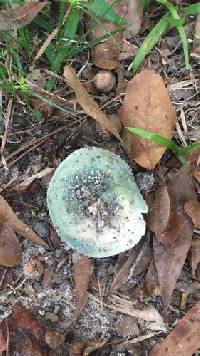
95, 204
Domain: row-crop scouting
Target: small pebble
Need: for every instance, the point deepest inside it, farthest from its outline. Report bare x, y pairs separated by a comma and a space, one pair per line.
33, 269
54, 338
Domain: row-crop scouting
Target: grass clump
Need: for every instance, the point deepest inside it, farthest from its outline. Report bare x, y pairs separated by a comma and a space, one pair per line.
172, 18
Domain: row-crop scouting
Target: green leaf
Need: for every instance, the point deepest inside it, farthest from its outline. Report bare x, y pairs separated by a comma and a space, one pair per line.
150, 41
105, 11
192, 9
186, 150
176, 22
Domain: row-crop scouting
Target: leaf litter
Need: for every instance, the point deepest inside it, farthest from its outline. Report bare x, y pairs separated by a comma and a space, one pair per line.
170, 219
172, 245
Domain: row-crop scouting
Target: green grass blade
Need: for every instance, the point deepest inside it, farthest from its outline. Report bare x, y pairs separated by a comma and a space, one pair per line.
64, 46
186, 150
192, 9
150, 41
145, 5
185, 45
163, 141
43, 24
50, 53
174, 14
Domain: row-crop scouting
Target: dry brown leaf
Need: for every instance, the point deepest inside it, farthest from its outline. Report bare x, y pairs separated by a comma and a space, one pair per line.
122, 274
170, 256
82, 272
147, 105
181, 188
151, 280
87, 103
28, 337
159, 208
184, 340
195, 248
169, 261
7, 215
93, 346
10, 250
76, 349
175, 225
20, 16
192, 209
22, 187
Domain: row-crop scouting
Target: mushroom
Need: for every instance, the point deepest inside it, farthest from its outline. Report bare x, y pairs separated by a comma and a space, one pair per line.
95, 204
105, 81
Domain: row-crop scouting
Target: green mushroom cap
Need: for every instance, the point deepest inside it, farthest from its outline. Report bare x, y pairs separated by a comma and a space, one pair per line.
95, 204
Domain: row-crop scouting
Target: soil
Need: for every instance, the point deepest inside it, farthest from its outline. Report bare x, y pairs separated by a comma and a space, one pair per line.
51, 298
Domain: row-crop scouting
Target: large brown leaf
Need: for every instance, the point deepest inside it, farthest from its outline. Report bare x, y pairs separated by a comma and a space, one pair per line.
20, 16
10, 250
147, 105
184, 340
82, 272
7, 215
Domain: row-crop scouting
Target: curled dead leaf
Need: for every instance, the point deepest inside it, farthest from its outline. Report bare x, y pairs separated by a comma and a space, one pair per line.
20, 16
10, 250
147, 105
7, 215
82, 272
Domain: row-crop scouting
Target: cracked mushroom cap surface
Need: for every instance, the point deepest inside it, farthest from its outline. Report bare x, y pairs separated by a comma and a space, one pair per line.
95, 204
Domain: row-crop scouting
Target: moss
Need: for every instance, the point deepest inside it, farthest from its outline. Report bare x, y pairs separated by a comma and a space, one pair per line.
95, 204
